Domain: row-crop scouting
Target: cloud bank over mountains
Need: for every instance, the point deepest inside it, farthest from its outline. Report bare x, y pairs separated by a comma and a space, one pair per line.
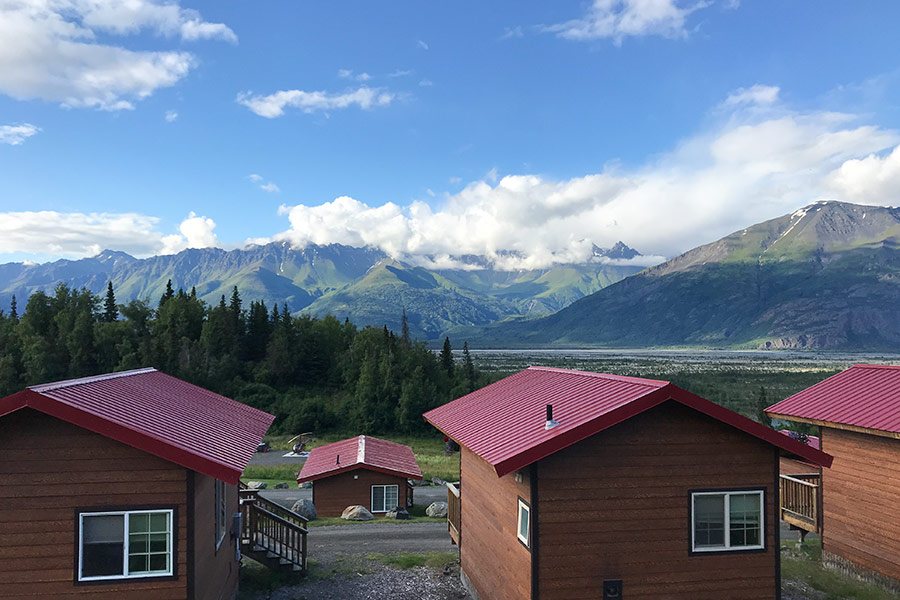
756, 159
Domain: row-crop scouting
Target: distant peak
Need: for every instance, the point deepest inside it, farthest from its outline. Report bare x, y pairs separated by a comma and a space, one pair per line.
619, 251
113, 255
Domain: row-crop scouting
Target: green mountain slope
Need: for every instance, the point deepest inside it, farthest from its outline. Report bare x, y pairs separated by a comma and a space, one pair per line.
826, 276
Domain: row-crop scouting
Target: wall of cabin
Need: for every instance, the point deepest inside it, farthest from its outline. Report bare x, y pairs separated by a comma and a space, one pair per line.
49, 470
861, 502
617, 506
215, 569
492, 558
332, 495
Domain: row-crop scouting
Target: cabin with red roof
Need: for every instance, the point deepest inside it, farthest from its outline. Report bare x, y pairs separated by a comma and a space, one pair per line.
124, 486
587, 485
361, 470
857, 412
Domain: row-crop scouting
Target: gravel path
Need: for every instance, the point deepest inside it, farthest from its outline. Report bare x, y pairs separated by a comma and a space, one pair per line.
419, 583
329, 544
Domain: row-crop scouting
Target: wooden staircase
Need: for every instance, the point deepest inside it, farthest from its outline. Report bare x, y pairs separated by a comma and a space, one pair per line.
271, 534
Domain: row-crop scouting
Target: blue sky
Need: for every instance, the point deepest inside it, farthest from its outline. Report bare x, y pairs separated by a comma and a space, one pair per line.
433, 128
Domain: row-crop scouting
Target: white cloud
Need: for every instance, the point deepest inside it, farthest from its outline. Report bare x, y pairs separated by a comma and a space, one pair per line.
400, 73
349, 74
426, 83
747, 167
619, 19
51, 50
171, 116
874, 179
510, 33
757, 95
273, 105
266, 186
16, 134
423, 45
195, 232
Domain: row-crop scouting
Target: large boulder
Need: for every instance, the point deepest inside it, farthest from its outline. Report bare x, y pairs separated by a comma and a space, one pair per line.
357, 513
397, 513
257, 485
437, 510
282, 486
305, 508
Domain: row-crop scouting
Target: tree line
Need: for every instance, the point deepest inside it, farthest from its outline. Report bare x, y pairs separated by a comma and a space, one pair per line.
313, 374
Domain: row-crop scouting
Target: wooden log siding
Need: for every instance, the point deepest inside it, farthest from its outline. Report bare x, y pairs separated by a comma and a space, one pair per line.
491, 556
332, 495
861, 501
50, 469
215, 571
616, 506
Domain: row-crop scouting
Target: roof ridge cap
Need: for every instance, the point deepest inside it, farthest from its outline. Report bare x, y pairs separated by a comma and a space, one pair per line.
361, 450
874, 366
598, 375
57, 385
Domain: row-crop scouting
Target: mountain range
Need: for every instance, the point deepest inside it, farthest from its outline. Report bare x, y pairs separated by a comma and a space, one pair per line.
363, 284
824, 277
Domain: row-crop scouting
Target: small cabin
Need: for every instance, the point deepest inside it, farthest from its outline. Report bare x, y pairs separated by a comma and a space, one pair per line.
857, 413
587, 485
122, 486
363, 470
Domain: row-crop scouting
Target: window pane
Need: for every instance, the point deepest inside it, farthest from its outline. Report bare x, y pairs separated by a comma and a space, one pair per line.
137, 563
103, 546
138, 543
159, 542
744, 516
377, 498
159, 522
523, 522
159, 562
391, 493
709, 521
139, 523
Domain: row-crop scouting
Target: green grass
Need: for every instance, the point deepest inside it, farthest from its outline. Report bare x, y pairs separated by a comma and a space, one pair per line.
429, 453
804, 564
409, 560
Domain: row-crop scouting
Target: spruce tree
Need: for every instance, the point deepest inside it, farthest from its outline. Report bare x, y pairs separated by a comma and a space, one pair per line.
110, 309
447, 357
168, 295
404, 327
14, 309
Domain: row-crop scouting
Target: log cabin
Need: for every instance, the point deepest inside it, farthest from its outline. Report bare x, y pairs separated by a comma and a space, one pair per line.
362, 470
122, 486
586, 485
857, 413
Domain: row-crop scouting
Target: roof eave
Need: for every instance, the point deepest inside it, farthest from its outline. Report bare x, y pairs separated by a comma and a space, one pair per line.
124, 435
353, 467
835, 425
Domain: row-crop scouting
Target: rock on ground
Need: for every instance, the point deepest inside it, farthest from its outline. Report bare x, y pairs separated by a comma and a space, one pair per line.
357, 513
437, 509
305, 508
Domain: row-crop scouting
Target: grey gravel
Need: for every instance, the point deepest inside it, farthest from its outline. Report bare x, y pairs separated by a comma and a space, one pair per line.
419, 583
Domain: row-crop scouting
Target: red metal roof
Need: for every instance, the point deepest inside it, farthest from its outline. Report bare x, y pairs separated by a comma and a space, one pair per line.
863, 396
364, 452
157, 413
504, 423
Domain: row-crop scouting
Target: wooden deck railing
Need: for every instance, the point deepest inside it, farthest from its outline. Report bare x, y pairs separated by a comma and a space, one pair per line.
454, 514
800, 502
268, 528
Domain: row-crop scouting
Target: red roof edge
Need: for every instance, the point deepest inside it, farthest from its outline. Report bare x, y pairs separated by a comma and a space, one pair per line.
353, 467
147, 443
646, 402
749, 426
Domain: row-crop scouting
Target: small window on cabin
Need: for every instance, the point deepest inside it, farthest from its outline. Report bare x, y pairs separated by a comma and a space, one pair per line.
221, 512
385, 498
126, 544
726, 521
523, 531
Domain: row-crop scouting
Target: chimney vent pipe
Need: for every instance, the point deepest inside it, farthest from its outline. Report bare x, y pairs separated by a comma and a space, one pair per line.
551, 422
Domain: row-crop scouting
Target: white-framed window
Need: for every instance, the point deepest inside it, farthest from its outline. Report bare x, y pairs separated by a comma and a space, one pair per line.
221, 512
727, 521
385, 498
125, 544
523, 527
